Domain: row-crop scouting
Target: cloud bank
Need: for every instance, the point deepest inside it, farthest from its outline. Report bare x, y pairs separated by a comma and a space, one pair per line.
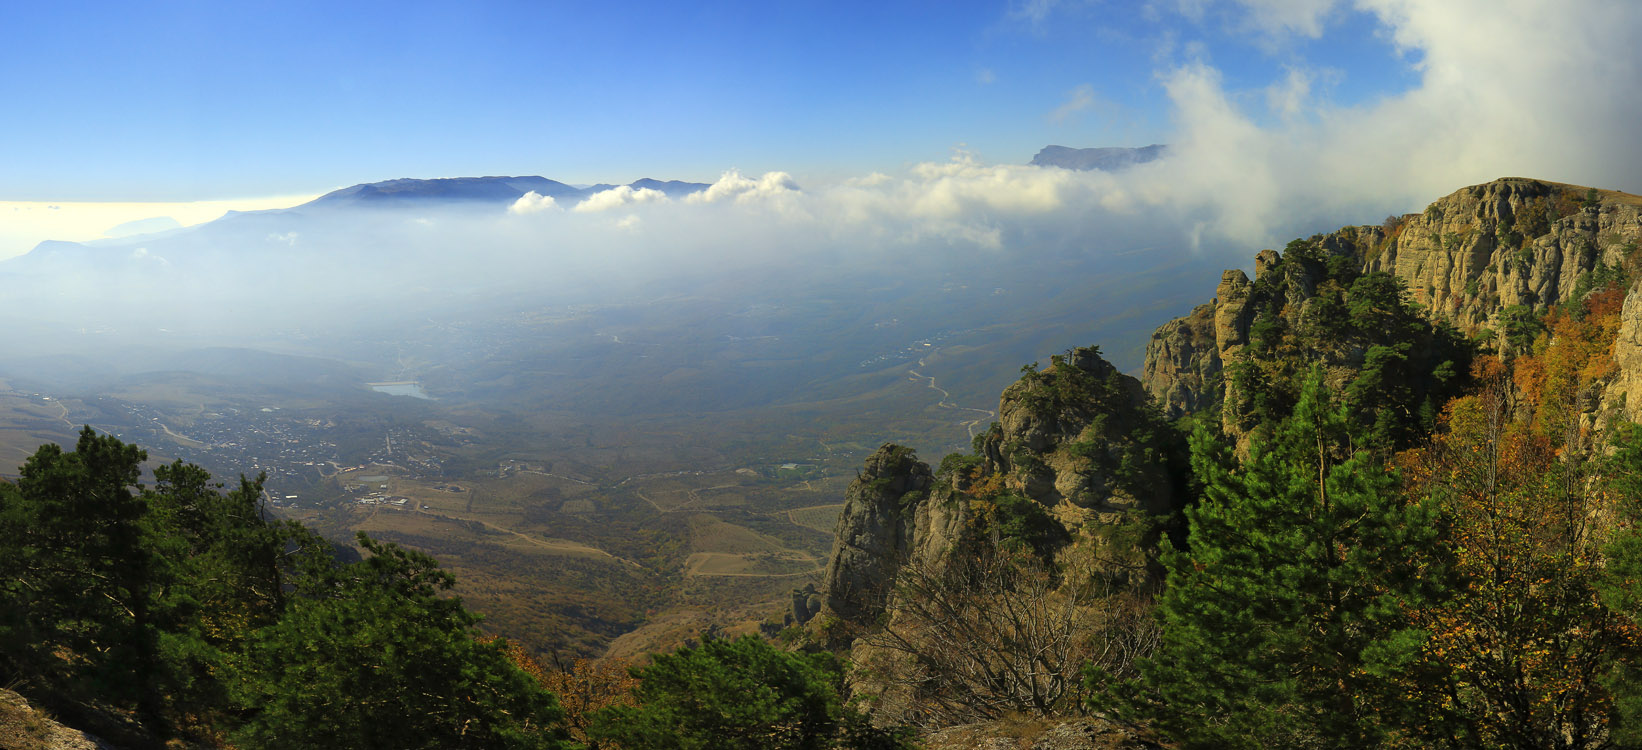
1502, 88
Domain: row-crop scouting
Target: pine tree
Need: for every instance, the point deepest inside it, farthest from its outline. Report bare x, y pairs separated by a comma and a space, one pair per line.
1622, 585
80, 574
1285, 618
741, 694
370, 655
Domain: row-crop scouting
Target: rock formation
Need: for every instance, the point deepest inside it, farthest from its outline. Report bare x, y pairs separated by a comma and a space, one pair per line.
1092, 446
875, 531
1078, 438
1466, 258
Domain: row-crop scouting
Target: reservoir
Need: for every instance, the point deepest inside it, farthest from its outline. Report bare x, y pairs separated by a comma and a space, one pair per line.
401, 388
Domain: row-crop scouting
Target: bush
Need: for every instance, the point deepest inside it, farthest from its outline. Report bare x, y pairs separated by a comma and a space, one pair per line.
739, 694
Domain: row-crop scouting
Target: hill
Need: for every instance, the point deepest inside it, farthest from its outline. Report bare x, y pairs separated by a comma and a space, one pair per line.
482, 189
1385, 427
1107, 159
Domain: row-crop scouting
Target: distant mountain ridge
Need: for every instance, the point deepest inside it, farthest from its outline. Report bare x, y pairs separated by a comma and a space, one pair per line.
1105, 159
484, 189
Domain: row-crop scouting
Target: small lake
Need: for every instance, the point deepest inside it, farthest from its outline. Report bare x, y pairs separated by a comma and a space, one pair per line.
414, 390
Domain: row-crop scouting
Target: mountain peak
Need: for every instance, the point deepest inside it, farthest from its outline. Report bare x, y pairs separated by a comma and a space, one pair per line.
1105, 159
483, 190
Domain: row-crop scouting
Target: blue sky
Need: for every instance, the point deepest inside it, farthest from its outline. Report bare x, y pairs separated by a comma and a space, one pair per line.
175, 101
1284, 117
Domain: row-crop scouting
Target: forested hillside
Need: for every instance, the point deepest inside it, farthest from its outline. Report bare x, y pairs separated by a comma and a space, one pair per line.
1384, 494
174, 614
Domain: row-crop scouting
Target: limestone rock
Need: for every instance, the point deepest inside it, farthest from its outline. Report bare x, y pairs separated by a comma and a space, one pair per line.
1467, 257
875, 532
1182, 368
1624, 394
23, 727
1078, 438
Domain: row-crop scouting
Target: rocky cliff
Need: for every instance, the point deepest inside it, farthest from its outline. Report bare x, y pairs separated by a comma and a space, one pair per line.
1468, 258
1078, 439
1392, 315
875, 533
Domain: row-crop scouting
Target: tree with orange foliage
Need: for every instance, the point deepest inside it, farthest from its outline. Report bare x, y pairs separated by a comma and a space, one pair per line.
582, 685
586, 686
1573, 355
1519, 656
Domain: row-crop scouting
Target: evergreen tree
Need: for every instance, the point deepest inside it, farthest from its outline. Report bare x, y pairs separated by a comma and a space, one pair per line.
1622, 584
369, 655
218, 574
739, 694
78, 583
1284, 620
172, 603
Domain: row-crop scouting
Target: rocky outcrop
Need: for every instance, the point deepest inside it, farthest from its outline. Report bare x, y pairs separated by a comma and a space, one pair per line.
806, 604
875, 533
1466, 258
1623, 396
1508, 242
1183, 359
1081, 439
24, 727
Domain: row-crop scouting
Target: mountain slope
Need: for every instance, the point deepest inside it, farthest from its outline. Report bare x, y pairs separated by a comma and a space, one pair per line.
1105, 159
482, 189
1477, 260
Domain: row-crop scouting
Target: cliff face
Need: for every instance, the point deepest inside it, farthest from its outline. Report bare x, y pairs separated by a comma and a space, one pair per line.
1381, 310
1183, 360
1078, 438
1076, 468
1466, 258
1623, 396
875, 532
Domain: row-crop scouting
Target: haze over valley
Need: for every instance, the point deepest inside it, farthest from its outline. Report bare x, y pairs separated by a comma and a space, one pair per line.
623, 316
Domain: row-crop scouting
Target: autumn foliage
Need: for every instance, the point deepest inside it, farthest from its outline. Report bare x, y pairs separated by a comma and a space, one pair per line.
1518, 655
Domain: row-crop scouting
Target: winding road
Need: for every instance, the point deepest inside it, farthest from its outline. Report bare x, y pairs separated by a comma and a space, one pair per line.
946, 402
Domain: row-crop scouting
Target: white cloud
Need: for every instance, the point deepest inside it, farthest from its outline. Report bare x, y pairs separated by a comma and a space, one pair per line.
1506, 87
30, 222
1034, 12
871, 180
142, 254
1287, 97
964, 186
532, 203
732, 185
1251, 164
1305, 18
617, 197
985, 77
1077, 100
